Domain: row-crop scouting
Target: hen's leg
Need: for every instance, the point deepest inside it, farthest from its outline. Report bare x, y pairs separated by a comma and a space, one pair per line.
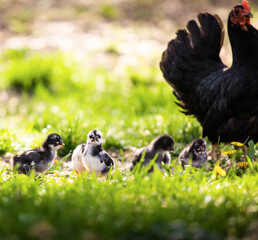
215, 153
244, 148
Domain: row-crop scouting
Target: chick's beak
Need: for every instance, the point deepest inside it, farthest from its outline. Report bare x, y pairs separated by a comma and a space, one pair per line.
172, 148
203, 150
95, 141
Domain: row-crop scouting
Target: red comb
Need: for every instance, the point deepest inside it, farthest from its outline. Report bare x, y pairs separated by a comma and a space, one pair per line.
246, 6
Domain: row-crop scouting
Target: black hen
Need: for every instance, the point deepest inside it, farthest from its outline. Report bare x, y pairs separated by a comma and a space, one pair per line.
224, 100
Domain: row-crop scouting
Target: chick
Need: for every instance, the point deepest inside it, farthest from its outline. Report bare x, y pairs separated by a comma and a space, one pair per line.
94, 158
39, 159
195, 151
160, 146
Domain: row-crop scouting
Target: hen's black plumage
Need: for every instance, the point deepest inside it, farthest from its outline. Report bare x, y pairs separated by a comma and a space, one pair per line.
39, 159
224, 100
160, 147
196, 151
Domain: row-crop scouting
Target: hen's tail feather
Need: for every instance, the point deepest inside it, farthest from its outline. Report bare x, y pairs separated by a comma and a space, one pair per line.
213, 31
191, 56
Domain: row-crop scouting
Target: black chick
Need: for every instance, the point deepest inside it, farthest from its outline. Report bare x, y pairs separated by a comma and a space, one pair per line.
160, 146
39, 159
195, 151
223, 99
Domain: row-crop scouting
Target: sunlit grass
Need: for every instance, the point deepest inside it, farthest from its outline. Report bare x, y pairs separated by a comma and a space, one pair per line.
126, 206
60, 95
27, 71
7, 141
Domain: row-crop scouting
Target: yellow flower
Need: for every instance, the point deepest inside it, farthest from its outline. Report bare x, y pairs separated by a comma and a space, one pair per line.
220, 171
70, 181
230, 152
242, 165
238, 144
56, 173
5, 176
56, 161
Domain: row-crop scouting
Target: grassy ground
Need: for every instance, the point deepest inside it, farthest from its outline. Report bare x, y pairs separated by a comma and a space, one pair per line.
54, 93
126, 206
121, 92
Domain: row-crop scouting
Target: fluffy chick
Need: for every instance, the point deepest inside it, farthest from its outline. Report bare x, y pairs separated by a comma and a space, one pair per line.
94, 158
41, 158
160, 146
195, 151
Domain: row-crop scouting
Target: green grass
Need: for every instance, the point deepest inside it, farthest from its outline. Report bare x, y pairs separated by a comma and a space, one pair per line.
26, 71
110, 12
123, 206
54, 93
6, 141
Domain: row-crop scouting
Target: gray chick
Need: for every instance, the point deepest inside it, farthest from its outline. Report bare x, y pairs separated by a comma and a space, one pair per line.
160, 146
195, 151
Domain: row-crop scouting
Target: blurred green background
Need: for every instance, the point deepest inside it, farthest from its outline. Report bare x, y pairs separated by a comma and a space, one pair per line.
71, 66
